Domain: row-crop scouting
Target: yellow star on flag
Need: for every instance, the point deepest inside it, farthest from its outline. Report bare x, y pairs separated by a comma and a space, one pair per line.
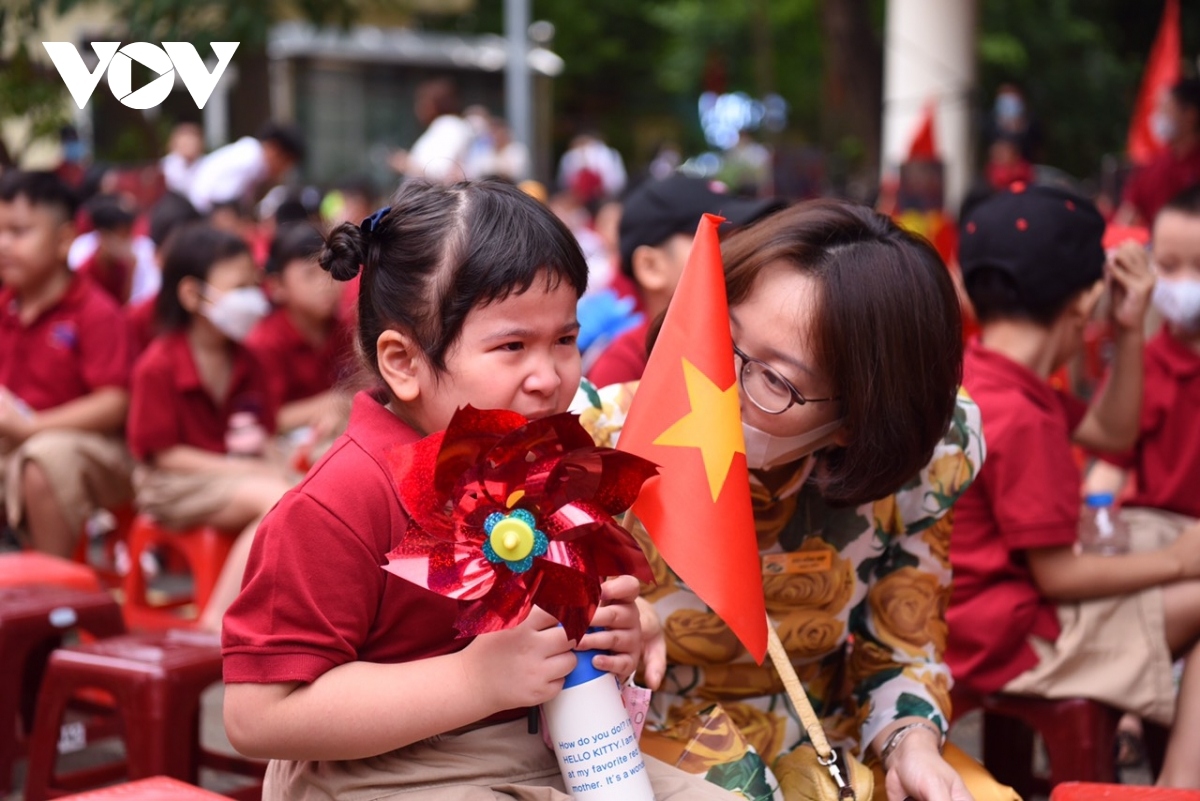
712, 425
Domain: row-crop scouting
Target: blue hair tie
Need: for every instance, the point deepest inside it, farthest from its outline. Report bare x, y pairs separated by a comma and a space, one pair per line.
369, 225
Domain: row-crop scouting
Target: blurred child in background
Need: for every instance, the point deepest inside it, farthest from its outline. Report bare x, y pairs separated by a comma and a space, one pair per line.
203, 409
1164, 466
303, 343
112, 263
64, 372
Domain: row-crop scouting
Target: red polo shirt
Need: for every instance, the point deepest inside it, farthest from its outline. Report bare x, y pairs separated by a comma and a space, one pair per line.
1151, 186
169, 405
294, 619
72, 349
114, 276
1165, 463
142, 324
1026, 496
623, 360
297, 369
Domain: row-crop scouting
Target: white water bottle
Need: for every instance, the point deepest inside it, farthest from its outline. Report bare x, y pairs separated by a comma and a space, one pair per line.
1100, 530
594, 740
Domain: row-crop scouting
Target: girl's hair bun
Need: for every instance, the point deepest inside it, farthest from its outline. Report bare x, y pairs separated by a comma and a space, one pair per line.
344, 252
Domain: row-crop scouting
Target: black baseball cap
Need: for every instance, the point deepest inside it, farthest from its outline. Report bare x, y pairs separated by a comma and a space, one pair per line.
1047, 240
658, 209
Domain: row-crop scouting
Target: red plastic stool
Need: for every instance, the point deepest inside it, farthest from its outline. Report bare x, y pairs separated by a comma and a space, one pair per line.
108, 572
1079, 734
157, 680
1085, 791
159, 788
205, 550
27, 568
32, 623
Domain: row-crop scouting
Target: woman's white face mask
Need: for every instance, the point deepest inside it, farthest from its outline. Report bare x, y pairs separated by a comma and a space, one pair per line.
765, 451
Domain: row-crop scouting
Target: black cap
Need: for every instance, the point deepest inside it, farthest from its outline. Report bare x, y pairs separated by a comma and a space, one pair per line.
1046, 239
657, 210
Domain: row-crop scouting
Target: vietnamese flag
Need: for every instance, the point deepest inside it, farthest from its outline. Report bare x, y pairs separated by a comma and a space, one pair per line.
1162, 72
686, 418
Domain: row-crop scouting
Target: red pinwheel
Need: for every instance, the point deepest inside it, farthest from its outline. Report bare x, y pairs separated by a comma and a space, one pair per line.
506, 513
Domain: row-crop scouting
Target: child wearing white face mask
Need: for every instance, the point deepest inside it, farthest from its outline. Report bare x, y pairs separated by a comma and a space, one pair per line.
201, 406
1161, 473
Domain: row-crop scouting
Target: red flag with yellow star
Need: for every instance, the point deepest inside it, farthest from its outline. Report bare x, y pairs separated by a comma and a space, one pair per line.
685, 417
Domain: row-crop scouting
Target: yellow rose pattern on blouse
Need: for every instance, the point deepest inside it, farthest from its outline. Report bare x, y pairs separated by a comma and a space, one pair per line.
876, 576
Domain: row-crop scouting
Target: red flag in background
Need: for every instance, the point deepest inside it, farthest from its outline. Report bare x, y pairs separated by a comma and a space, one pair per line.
686, 418
924, 142
1162, 72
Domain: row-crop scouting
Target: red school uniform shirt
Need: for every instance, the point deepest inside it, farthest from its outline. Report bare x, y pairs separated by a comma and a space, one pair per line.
624, 360
169, 405
1026, 496
114, 276
72, 349
1151, 186
140, 319
297, 369
1165, 462
294, 619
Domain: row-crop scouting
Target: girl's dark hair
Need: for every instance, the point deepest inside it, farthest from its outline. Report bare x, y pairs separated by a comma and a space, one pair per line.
440, 251
190, 252
293, 242
887, 331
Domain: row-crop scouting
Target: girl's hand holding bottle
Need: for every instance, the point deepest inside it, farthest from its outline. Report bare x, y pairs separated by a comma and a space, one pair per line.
622, 635
521, 666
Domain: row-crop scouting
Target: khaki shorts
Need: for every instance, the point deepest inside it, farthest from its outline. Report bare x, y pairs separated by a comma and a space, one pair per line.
1113, 650
494, 762
182, 500
87, 471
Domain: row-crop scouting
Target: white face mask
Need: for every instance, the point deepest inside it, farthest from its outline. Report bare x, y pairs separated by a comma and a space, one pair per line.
236, 312
764, 451
1178, 300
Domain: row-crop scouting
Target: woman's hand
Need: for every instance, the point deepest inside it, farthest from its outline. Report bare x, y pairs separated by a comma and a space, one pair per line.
622, 635
654, 645
916, 770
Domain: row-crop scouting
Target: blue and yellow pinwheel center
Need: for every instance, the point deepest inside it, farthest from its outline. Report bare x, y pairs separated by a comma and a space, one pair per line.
513, 539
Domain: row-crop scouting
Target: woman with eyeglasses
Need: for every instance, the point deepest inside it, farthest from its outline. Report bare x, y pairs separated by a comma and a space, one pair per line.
848, 341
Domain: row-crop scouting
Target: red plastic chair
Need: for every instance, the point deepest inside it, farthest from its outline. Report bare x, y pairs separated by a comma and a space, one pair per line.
156, 680
33, 621
1079, 734
109, 573
1087, 791
204, 549
158, 788
29, 568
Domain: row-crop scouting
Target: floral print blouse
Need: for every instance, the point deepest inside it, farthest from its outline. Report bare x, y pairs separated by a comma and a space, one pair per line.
858, 596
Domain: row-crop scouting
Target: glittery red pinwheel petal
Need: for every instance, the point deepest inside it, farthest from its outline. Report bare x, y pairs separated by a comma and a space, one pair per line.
496, 463
607, 478
505, 606
472, 433
456, 570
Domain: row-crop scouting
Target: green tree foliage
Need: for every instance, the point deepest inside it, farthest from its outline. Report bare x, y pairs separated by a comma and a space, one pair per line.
1080, 63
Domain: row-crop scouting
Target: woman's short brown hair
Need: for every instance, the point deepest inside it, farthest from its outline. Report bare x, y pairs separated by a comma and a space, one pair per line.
887, 333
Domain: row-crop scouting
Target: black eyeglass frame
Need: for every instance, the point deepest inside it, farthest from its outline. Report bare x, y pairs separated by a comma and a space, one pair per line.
795, 397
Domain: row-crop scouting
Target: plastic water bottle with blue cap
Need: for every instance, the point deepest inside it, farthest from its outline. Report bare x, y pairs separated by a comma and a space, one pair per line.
1100, 530
594, 739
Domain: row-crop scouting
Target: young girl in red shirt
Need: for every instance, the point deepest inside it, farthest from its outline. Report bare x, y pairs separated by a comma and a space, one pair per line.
201, 408
351, 680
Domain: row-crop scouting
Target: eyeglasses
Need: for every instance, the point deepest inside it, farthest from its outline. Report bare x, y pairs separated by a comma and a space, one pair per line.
767, 389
